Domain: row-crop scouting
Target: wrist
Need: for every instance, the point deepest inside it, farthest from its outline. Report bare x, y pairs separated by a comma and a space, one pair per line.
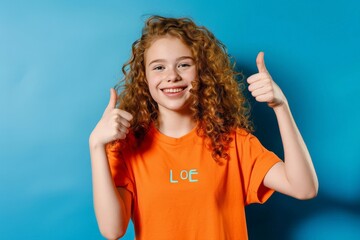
281, 107
95, 143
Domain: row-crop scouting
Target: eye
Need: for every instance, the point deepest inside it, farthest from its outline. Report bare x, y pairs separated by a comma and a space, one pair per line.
184, 65
158, 68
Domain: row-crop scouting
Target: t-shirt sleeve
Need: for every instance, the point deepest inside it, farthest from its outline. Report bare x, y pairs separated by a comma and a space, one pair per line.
255, 163
119, 168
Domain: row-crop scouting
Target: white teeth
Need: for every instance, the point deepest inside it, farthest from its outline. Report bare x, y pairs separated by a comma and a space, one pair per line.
172, 90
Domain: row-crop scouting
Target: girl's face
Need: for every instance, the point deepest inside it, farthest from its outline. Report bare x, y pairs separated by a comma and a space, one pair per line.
170, 69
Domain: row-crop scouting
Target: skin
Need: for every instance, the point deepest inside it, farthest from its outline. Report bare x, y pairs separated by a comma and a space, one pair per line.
169, 64
112, 205
295, 176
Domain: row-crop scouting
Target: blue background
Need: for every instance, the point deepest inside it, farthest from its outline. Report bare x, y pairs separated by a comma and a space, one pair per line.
58, 60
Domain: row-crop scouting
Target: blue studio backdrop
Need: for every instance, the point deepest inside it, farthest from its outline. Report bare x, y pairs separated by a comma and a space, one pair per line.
58, 60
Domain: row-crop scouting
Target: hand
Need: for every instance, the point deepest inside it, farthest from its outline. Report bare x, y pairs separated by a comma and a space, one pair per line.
113, 125
262, 86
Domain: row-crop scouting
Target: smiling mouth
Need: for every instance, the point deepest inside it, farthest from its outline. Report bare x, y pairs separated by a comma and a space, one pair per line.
173, 90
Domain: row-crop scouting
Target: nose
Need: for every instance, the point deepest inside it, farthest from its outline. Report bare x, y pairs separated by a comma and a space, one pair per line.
173, 75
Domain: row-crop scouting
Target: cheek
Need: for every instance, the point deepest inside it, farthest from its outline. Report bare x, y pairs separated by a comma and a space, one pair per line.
191, 75
152, 78
152, 84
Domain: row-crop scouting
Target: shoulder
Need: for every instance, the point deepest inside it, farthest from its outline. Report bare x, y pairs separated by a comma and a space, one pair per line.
246, 139
243, 134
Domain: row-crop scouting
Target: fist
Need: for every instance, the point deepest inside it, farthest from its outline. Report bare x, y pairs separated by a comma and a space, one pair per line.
113, 125
262, 86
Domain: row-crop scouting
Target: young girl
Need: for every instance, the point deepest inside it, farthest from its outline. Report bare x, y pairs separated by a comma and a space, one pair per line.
177, 155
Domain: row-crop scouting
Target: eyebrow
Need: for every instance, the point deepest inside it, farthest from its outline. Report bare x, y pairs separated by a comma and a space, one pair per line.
163, 60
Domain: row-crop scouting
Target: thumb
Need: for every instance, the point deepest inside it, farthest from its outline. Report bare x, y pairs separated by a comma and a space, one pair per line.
260, 63
113, 99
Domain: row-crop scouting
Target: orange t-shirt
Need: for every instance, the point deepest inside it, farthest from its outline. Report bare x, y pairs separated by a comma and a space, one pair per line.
180, 192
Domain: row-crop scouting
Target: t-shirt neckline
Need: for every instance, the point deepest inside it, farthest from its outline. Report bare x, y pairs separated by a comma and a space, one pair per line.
171, 140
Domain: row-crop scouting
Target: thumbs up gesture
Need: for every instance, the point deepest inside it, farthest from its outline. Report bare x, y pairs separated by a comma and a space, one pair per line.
113, 125
262, 86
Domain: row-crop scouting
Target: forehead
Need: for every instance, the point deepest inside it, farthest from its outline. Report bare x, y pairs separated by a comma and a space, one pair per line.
167, 48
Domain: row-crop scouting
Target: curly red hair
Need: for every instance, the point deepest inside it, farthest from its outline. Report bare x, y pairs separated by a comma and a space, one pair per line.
218, 105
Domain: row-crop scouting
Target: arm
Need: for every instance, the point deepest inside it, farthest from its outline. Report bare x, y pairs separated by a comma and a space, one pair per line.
112, 205
295, 176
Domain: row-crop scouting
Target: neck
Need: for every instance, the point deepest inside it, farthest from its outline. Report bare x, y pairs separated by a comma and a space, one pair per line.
175, 124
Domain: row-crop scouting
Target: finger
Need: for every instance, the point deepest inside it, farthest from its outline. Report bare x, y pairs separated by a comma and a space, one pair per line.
123, 121
122, 131
258, 84
113, 99
120, 135
257, 77
264, 97
261, 91
119, 131
124, 114
260, 62
121, 128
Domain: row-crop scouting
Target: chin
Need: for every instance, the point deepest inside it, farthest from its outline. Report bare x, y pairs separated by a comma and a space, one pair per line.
185, 107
